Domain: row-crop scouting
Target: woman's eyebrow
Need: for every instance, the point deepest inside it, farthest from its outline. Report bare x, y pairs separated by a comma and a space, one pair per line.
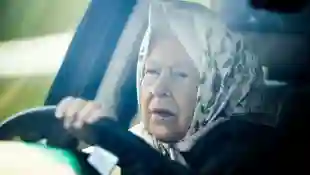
180, 65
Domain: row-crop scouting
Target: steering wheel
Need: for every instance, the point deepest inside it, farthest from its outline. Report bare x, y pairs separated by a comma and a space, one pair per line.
133, 152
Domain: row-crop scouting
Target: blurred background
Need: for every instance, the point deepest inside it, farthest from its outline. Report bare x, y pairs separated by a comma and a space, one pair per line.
34, 36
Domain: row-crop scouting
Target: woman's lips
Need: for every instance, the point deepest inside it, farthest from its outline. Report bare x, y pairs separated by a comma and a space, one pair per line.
162, 113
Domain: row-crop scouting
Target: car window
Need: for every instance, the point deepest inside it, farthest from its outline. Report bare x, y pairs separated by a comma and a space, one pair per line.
26, 39
34, 37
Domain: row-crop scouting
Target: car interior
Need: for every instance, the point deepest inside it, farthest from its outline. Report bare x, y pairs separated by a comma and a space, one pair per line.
100, 64
268, 33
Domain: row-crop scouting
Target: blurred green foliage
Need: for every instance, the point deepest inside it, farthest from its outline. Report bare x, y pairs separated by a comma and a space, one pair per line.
31, 18
17, 94
27, 18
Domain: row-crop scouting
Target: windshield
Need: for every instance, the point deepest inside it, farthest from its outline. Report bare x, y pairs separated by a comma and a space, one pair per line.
235, 59
34, 37
275, 37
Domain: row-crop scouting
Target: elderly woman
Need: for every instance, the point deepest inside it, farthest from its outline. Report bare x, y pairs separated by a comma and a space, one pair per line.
192, 72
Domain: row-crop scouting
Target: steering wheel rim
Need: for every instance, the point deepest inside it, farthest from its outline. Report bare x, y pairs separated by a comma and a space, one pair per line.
126, 146
30, 125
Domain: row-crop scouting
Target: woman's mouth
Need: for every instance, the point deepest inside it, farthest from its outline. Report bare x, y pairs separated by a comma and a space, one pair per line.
162, 113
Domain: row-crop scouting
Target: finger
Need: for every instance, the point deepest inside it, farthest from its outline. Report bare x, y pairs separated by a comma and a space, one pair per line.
75, 107
85, 113
62, 106
72, 110
94, 116
98, 114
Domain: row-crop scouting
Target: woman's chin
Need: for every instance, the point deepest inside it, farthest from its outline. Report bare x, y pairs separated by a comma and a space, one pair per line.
166, 135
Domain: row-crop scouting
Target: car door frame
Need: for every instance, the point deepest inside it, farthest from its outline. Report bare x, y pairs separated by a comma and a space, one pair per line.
90, 51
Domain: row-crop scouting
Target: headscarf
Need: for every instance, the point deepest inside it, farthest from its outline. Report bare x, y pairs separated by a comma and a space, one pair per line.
230, 74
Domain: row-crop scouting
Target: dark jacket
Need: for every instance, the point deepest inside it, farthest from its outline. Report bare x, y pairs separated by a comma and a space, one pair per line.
233, 147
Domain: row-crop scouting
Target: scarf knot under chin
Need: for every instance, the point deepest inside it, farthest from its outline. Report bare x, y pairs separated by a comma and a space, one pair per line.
168, 150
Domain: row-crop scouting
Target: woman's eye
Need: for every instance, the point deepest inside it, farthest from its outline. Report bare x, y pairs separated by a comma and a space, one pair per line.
181, 74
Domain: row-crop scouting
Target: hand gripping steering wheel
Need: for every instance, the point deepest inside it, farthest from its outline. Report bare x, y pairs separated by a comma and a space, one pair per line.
133, 152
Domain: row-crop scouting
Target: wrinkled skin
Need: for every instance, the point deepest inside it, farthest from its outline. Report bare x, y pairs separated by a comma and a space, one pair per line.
170, 82
168, 70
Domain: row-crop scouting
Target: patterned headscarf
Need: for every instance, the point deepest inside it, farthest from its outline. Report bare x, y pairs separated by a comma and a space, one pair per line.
229, 73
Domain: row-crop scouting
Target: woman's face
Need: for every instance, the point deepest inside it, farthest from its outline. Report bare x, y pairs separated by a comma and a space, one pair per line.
168, 91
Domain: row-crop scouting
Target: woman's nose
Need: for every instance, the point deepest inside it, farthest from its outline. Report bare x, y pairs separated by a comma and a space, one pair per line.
161, 88
161, 92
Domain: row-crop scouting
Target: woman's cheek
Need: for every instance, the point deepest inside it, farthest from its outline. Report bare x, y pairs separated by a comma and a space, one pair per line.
187, 103
144, 106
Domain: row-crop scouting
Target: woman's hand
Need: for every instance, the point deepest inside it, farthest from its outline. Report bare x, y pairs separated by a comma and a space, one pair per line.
77, 111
